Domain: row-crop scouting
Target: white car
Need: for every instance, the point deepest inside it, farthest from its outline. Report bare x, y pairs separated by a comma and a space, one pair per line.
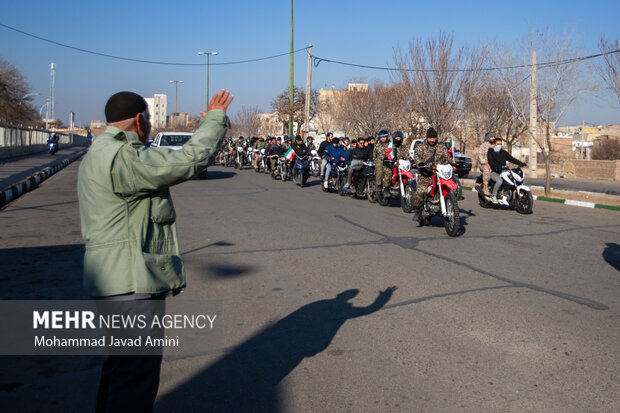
174, 141
171, 140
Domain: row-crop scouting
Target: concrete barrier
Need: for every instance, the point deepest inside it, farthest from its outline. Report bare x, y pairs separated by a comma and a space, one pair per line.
17, 140
16, 190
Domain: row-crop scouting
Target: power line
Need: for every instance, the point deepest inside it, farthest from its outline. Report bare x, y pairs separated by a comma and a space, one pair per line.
317, 60
145, 61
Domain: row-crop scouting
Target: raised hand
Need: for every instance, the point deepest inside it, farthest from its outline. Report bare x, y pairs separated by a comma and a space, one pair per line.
220, 100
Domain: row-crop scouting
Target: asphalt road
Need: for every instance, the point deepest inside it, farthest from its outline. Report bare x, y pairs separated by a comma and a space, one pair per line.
519, 313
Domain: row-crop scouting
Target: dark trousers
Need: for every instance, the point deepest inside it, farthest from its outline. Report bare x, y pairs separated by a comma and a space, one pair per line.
128, 384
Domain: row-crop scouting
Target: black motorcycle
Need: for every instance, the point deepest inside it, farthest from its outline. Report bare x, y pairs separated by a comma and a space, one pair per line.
361, 186
337, 177
301, 171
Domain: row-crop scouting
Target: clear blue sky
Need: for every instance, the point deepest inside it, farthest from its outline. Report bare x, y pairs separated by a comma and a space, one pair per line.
360, 31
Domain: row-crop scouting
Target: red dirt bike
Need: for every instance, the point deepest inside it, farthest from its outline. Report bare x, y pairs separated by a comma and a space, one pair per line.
403, 184
440, 198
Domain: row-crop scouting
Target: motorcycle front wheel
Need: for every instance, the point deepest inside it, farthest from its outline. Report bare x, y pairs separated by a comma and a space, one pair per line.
524, 202
381, 198
371, 191
406, 202
459, 189
451, 220
341, 181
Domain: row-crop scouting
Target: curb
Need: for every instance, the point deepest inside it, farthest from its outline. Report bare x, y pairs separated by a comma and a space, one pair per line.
14, 191
567, 201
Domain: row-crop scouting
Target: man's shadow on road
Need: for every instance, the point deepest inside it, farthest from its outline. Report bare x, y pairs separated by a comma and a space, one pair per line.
247, 379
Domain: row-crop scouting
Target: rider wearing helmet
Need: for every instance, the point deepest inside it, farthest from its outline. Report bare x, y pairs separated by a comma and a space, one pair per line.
428, 153
310, 144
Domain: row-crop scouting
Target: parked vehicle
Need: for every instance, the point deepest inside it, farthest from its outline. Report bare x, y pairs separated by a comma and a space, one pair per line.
513, 192
440, 198
462, 163
174, 141
171, 140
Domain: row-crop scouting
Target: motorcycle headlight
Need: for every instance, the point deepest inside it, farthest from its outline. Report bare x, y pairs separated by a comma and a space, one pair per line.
444, 171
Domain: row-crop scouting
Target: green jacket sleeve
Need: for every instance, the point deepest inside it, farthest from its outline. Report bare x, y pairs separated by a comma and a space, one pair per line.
140, 170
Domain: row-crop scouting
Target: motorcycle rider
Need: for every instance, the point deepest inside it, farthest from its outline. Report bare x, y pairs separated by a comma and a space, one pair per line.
403, 151
483, 161
300, 149
310, 144
55, 139
371, 143
321, 151
427, 153
397, 142
359, 155
275, 151
497, 158
332, 151
383, 173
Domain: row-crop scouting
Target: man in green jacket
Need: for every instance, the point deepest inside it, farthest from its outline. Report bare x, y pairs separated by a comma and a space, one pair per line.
128, 226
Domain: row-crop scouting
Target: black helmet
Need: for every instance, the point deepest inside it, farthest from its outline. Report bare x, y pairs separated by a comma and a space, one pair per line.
383, 134
431, 133
398, 134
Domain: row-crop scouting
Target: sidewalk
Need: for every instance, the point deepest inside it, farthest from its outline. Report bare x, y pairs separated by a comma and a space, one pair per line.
14, 170
20, 175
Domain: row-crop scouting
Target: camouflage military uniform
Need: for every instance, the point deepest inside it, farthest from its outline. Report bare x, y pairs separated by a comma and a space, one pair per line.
426, 153
384, 174
483, 161
258, 145
403, 150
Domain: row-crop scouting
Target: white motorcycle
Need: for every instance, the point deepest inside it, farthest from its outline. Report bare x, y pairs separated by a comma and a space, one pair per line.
239, 159
315, 164
512, 192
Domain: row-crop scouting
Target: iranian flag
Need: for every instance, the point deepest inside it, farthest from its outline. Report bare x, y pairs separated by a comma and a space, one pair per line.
290, 154
390, 152
451, 147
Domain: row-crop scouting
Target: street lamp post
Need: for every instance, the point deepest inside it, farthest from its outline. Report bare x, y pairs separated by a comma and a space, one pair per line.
176, 96
208, 54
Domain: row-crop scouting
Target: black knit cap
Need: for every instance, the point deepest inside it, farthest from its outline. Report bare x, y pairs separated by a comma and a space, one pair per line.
124, 105
431, 133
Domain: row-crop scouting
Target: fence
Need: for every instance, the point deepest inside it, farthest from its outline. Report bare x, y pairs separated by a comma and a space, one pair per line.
19, 140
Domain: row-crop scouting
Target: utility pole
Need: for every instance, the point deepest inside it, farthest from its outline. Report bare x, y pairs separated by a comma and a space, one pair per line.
291, 90
50, 108
533, 118
308, 89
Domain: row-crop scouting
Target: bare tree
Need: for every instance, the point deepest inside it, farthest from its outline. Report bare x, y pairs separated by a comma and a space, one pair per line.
609, 70
488, 108
246, 121
15, 104
608, 149
432, 83
281, 106
364, 111
560, 83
